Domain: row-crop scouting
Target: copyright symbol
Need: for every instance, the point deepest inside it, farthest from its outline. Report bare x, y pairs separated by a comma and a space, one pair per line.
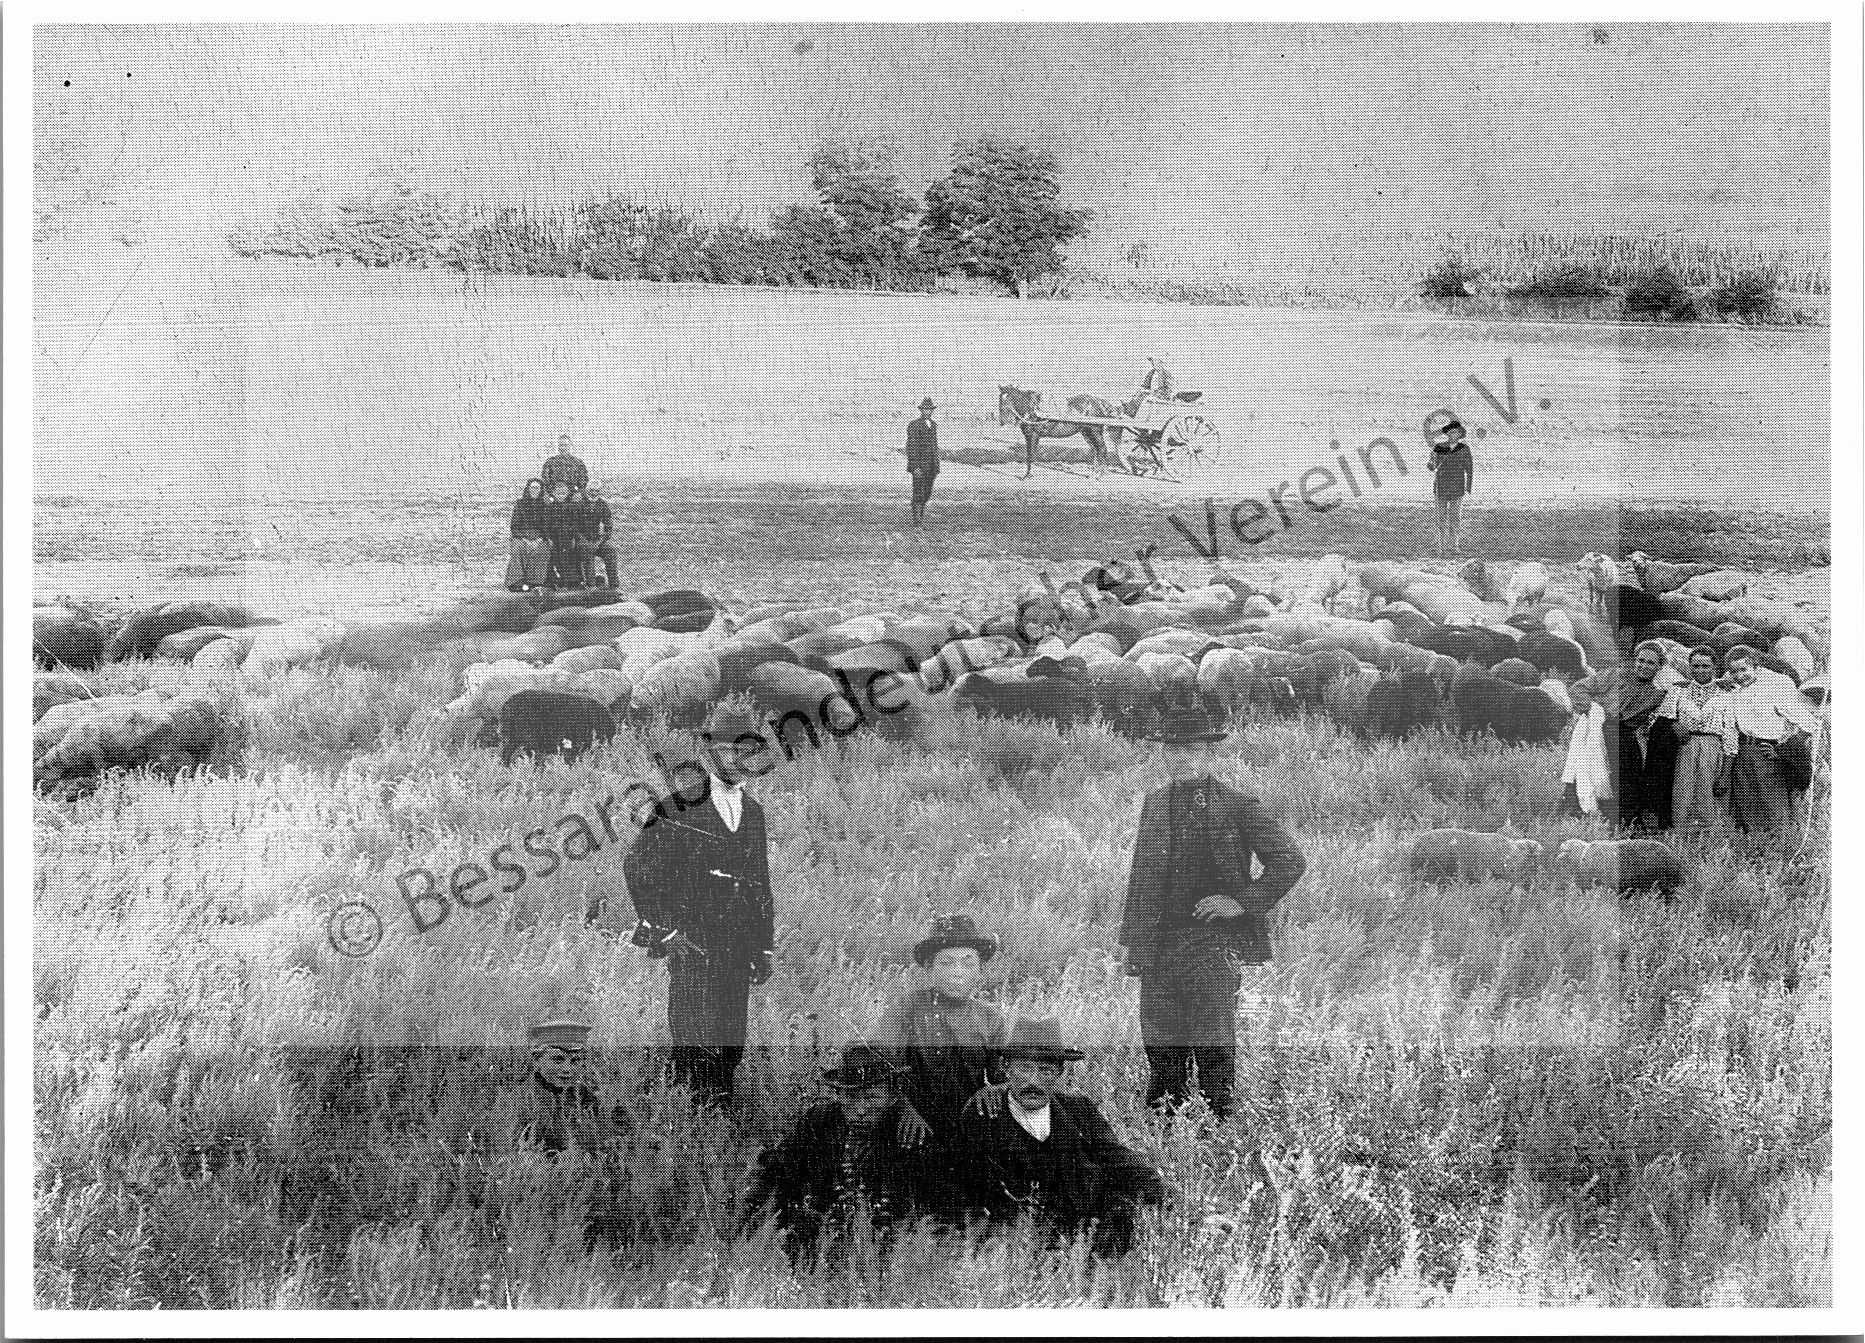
353, 929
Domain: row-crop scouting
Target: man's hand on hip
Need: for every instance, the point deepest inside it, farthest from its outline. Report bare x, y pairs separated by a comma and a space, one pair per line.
1216, 907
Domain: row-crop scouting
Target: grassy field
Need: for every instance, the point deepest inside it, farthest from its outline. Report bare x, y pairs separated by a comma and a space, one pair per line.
1480, 1095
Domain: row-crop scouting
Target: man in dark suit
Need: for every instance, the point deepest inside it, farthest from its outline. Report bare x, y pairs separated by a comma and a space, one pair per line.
699, 876
1195, 915
922, 458
1048, 1152
841, 1159
566, 467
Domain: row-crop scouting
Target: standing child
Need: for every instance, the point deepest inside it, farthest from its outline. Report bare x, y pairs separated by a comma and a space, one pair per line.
941, 1036
1451, 463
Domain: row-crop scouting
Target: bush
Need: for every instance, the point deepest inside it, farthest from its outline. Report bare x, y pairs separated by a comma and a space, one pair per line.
1450, 278
1565, 282
1749, 296
1658, 295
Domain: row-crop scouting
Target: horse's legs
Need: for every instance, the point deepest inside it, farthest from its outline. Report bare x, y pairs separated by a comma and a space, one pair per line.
1029, 449
1097, 449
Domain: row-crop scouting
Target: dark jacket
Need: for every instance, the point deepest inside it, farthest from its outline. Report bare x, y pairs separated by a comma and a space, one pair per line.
530, 517
922, 448
575, 1118
596, 520
802, 1178
945, 1048
1235, 828
687, 872
1080, 1172
563, 522
565, 467
1456, 471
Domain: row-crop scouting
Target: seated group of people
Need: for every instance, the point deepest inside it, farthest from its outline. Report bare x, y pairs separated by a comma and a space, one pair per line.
951, 1112
561, 529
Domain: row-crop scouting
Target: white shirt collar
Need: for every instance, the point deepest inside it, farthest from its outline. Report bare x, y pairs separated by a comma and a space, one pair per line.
1033, 1122
729, 800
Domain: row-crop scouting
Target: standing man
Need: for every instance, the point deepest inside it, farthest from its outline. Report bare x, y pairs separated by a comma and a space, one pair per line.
1454, 470
1194, 914
922, 458
1767, 708
1048, 1152
566, 466
700, 879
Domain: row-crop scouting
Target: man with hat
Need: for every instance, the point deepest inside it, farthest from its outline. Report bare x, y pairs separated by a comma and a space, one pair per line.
1455, 475
595, 539
1194, 913
1050, 1153
564, 1112
840, 1158
699, 876
922, 458
941, 1036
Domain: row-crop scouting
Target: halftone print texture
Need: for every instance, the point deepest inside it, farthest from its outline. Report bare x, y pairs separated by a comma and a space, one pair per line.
1376, 396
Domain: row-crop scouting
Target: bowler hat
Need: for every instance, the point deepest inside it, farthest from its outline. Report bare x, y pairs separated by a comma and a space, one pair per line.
1186, 725
1441, 421
862, 1066
561, 1034
1038, 1038
954, 930
926, 403
727, 723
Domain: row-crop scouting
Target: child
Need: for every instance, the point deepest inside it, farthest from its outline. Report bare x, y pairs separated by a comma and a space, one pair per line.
1451, 463
941, 1037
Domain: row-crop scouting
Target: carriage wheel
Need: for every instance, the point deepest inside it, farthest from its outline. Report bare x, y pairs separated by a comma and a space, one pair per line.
1198, 436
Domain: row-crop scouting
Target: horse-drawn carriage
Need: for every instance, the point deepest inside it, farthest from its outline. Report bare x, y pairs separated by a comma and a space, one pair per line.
1168, 433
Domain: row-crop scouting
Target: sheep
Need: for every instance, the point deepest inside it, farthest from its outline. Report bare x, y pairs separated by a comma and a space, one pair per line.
1657, 576
1624, 865
1796, 654
642, 648
1719, 585
1776, 619
1515, 714
1477, 577
1529, 583
1186, 643
293, 644
815, 649
1399, 705
537, 646
1122, 694
1224, 677
965, 655
76, 742
1472, 855
1003, 693
1171, 673
679, 688
1631, 607
1517, 671
862, 629
63, 638
1602, 575
678, 603
549, 722
921, 640
54, 688
149, 626
1551, 653
783, 691
1690, 609
587, 658
1556, 691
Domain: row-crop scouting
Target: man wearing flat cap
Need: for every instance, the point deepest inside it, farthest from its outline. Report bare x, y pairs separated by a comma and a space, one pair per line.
841, 1159
922, 458
1195, 914
1050, 1153
700, 879
563, 1110
941, 1036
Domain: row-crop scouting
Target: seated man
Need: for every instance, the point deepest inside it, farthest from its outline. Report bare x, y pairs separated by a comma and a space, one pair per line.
1157, 383
562, 1112
841, 1159
595, 538
1050, 1153
941, 1035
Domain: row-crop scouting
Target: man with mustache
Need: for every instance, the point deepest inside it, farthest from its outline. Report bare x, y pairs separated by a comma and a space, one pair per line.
1050, 1153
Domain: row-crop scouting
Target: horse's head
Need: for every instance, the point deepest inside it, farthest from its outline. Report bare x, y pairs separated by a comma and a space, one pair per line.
1014, 403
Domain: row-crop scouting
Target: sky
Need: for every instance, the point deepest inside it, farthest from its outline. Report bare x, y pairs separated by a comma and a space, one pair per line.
1199, 132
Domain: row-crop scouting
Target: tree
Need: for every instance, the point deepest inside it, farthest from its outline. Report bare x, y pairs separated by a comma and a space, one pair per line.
872, 217
997, 213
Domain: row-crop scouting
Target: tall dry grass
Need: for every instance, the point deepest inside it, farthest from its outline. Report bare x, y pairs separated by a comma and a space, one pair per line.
1477, 1095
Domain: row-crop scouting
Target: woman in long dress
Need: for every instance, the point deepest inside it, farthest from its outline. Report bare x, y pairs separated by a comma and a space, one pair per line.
530, 563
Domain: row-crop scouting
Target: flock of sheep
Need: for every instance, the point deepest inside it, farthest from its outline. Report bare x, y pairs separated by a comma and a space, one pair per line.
1384, 649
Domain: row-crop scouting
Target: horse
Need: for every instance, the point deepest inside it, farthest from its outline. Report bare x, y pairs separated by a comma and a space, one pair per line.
1024, 409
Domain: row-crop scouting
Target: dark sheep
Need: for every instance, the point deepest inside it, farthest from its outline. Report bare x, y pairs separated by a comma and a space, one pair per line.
814, 650
1518, 671
737, 663
1051, 699
68, 642
551, 722
1123, 695
1314, 672
679, 602
1552, 653
149, 626
1408, 625
1632, 608
1397, 706
1466, 643
1516, 714
686, 622
1681, 630
1626, 865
